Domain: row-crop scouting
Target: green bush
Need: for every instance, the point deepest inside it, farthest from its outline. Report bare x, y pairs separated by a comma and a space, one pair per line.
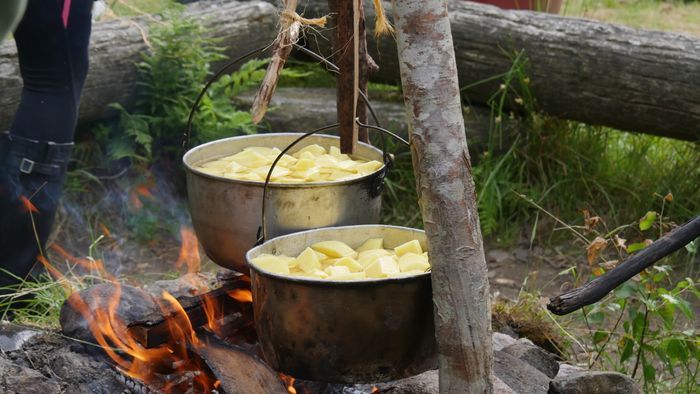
171, 76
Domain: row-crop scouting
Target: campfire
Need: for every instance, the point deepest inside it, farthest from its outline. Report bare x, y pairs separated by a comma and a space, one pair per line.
194, 334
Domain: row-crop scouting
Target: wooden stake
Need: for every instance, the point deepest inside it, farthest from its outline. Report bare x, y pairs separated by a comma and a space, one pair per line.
446, 194
345, 51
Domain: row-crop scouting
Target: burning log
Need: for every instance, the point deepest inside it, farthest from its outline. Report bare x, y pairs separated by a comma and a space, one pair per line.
152, 330
238, 371
125, 321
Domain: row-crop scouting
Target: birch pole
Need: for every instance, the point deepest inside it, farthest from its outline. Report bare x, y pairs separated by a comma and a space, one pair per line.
446, 195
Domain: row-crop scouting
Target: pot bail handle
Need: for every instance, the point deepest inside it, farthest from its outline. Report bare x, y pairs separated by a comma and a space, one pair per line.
195, 106
388, 158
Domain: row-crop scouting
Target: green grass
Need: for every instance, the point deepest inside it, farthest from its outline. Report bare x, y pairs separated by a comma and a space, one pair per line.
672, 15
140, 7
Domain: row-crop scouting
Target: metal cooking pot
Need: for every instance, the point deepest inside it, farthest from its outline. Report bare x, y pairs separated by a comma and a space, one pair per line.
226, 213
344, 331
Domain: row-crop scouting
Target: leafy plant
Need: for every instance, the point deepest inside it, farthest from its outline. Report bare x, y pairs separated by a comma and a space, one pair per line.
171, 76
645, 328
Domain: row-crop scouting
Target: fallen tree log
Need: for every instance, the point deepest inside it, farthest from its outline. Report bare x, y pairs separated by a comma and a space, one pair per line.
593, 72
116, 46
596, 289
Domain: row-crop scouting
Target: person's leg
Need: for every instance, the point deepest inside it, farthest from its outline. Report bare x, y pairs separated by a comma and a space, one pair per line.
35, 152
54, 63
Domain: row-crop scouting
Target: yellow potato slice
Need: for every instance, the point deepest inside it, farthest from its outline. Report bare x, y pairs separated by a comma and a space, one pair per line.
336, 271
286, 160
304, 164
346, 165
372, 243
340, 175
327, 161
349, 276
322, 257
319, 274
310, 175
369, 167
408, 247
277, 173
272, 263
333, 248
413, 262
314, 149
308, 261
352, 264
367, 257
251, 159
382, 267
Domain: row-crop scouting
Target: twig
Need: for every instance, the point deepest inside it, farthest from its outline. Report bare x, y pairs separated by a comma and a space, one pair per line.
641, 341
596, 289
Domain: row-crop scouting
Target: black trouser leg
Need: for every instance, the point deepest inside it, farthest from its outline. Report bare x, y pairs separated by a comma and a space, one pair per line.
33, 156
31, 181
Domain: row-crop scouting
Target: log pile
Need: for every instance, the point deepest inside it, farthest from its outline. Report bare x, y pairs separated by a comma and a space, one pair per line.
593, 72
598, 73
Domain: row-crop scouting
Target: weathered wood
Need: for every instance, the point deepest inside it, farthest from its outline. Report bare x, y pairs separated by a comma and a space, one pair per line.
446, 194
589, 71
366, 65
596, 289
116, 46
347, 85
288, 35
238, 371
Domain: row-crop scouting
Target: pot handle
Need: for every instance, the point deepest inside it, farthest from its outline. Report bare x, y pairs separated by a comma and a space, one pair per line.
195, 106
388, 160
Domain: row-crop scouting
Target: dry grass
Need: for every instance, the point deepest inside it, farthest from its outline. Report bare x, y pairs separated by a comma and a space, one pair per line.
673, 15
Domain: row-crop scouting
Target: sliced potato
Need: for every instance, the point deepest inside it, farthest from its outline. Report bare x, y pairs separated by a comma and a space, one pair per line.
308, 261
372, 243
382, 267
272, 263
413, 262
333, 248
352, 264
408, 247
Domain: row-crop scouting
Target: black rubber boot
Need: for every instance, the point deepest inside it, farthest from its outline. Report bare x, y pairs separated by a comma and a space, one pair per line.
31, 182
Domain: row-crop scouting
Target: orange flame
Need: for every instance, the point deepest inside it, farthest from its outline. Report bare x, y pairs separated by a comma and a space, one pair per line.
112, 334
87, 263
189, 250
214, 312
137, 193
105, 230
241, 295
289, 382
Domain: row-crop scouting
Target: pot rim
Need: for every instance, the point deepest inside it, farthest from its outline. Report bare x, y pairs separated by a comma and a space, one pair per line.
333, 283
272, 184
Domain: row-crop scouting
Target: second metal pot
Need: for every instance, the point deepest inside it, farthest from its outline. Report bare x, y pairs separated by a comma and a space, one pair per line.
362, 331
